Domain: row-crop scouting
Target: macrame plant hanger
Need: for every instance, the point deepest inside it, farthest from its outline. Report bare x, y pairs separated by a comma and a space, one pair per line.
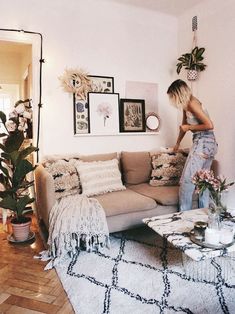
192, 75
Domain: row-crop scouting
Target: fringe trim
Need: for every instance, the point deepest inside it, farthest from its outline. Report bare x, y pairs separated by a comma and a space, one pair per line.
66, 245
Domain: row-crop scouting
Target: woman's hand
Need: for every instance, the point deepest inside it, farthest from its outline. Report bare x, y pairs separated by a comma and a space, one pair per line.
185, 127
176, 148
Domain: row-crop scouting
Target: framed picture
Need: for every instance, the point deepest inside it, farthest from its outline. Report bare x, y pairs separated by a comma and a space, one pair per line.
103, 113
81, 116
132, 115
102, 84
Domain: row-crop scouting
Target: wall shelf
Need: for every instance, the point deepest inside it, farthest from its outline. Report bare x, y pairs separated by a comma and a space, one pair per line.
120, 134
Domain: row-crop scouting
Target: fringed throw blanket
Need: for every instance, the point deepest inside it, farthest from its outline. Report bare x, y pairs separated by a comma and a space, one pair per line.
75, 222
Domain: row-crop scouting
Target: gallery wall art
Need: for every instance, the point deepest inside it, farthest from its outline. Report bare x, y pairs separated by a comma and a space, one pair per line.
98, 84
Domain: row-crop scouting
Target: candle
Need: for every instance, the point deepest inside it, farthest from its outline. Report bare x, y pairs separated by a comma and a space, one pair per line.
226, 236
212, 236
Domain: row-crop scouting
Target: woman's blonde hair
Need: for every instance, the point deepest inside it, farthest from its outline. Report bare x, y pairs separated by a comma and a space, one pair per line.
180, 94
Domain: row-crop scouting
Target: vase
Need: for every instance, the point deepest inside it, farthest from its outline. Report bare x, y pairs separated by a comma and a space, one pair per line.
217, 209
214, 219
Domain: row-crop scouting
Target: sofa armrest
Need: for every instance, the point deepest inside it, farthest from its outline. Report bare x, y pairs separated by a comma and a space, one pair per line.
45, 193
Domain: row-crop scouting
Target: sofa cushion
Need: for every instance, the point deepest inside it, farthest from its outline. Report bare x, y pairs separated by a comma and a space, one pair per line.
167, 168
164, 195
136, 167
65, 177
98, 157
99, 177
122, 202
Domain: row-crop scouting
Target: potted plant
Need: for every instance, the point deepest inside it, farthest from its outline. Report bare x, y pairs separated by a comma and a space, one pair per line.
15, 168
192, 62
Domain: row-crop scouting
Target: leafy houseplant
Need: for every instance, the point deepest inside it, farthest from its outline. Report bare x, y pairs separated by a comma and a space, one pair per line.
14, 165
192, 62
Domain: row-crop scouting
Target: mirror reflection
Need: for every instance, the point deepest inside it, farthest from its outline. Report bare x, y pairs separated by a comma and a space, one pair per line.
15, 76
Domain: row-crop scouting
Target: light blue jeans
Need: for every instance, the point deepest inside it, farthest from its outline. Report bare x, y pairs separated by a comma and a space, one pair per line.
200, 156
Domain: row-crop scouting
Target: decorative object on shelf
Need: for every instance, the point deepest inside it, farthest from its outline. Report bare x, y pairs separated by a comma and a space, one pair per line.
152, 121
76, 81
81, 116
99, 84
132, 115
205, 179
15, 168
102, 84
143, 90
192, 61
103, 113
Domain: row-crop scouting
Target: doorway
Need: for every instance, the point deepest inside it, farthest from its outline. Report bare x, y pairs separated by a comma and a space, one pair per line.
15, 74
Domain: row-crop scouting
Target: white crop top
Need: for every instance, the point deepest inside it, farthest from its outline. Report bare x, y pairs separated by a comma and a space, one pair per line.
192, 120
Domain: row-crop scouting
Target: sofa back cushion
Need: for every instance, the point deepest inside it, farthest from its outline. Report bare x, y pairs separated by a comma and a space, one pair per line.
99, 177
98, 157
136, 167
167, 168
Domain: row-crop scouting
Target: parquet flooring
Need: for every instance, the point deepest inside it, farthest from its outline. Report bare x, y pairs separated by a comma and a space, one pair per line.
25, 288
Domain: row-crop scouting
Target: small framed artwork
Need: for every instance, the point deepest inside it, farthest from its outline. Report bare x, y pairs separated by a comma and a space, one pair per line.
132, 115
103, 113
81, 116
102, 84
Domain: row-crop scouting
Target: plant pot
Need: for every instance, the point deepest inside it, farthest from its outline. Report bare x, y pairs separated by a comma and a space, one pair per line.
192, 75
21, 229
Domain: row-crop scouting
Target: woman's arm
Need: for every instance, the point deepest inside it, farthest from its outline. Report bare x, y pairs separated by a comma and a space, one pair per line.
181, 133
205, 123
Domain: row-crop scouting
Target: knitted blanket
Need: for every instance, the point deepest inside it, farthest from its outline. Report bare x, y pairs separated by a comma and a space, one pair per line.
75, 222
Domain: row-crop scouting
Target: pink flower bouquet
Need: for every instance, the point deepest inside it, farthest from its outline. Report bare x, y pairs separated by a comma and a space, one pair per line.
205, 179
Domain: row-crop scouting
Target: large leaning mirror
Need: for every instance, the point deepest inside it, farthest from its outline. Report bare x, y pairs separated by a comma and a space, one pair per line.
152, 121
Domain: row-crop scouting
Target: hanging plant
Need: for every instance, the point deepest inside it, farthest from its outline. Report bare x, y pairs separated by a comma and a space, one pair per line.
76, 81
192, 62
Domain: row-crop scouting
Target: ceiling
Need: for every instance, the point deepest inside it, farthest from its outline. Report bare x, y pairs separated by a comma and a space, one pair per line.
172, 7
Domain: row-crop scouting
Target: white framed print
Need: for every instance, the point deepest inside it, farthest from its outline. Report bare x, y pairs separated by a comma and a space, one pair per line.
103, 113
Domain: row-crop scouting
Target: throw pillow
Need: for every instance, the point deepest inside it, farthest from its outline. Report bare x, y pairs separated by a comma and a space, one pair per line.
99, 177
64, 173
167, 168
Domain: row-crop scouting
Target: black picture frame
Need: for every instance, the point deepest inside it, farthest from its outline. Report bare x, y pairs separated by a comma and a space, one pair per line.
81, 116
132, 115
102, 84
103, 113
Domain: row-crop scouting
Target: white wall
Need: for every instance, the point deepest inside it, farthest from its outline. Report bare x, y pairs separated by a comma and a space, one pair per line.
106, 39
215, 88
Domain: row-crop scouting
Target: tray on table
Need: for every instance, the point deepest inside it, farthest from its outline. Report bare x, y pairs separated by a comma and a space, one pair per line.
208, 245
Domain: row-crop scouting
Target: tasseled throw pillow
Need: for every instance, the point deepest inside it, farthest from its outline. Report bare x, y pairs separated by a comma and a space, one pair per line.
167, 168
64, 173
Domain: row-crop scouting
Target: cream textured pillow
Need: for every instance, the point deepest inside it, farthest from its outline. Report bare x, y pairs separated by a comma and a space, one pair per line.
65, 176
99, 177
167, 168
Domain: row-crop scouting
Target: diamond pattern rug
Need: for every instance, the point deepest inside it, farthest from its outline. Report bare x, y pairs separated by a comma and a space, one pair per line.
142, 273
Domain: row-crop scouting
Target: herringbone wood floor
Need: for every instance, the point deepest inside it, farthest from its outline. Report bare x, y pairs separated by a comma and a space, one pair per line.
25, 288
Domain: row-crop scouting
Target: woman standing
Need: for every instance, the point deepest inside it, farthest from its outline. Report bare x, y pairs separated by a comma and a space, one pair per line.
195, 119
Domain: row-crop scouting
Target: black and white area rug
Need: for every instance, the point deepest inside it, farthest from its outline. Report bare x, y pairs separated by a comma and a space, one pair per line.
142, 274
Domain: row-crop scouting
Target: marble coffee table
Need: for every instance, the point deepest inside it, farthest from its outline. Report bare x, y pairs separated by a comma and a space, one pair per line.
176, 229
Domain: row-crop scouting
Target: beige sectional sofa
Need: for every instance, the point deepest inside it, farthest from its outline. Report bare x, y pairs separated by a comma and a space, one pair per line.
124, 209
